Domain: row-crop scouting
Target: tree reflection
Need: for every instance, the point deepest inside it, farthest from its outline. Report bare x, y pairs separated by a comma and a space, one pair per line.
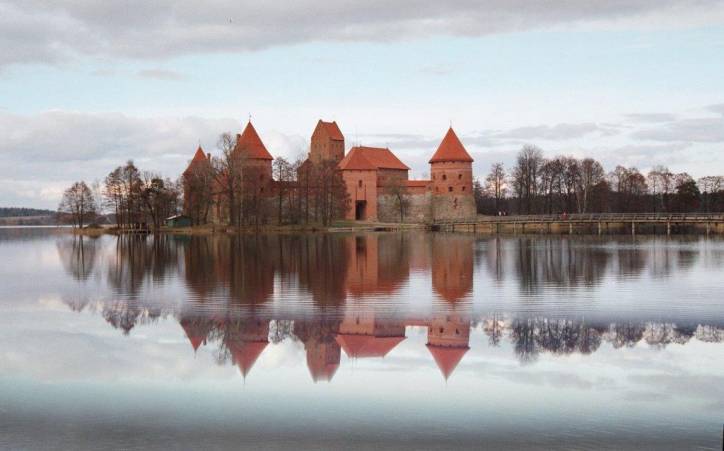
78, 255
336, 294
140, 257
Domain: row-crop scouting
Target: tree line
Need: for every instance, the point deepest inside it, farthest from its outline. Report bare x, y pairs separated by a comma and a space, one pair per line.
565, 184
133, 199
232, 190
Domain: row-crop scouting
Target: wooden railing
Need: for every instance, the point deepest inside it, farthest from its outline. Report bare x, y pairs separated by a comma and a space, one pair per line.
594, 218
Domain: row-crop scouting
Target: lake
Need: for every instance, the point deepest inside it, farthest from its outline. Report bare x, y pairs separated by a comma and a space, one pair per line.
360, 341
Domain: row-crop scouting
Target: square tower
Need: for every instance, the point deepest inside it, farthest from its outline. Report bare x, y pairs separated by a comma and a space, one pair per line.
327, 143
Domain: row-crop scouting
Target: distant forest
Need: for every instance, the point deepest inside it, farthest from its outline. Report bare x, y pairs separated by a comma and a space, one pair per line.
16, 212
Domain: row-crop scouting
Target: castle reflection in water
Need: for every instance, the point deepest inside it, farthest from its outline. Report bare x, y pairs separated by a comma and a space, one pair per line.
341, 293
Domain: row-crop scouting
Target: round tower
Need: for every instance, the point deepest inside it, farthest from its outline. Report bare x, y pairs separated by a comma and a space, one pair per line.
451, 169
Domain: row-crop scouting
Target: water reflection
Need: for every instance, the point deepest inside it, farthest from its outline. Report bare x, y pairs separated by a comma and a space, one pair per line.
331, 268
78, 256
421, 340
339, 294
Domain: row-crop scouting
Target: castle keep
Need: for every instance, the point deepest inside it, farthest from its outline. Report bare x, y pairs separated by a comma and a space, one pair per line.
376, 180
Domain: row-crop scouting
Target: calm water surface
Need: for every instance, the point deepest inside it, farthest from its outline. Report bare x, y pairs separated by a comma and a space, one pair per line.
407, 341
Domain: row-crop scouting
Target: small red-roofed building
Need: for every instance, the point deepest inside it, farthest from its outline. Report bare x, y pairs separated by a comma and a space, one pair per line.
365, 171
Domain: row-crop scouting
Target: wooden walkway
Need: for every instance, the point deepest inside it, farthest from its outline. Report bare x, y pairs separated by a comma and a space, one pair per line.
599, 223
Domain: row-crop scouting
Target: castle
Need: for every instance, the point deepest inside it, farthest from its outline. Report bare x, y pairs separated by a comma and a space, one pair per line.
376, 180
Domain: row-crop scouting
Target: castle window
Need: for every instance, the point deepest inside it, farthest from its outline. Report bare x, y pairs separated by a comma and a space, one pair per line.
460, 176
444, 177
463, 188
359, 183
449, 188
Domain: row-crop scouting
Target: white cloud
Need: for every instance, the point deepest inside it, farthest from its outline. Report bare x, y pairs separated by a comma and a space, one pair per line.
42, 154
54, 32
706, 130
161, 74
651, 117
558, 131
719, 108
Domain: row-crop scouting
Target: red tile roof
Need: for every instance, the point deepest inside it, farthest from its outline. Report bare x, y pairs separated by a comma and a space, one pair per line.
451, 149
199, 158
332, 129
361, 346
249, 145
245, 353
362, 158
417, 183
195, 333
447, 358
321, 370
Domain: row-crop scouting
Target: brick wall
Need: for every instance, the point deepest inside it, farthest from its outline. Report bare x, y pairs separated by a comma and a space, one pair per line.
361, 186
452, 190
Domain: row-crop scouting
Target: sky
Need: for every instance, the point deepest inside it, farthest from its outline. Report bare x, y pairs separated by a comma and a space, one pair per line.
85, 86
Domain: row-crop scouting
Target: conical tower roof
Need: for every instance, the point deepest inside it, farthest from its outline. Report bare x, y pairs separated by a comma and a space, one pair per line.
196, 332
249, 145
245, 354
198, 159
447, 357
451, 149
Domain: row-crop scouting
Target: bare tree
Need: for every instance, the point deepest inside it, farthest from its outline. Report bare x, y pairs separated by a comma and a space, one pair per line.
495, 183
228, 172
552, 181
591, 173
712, 190
122, 192
330, 192
396, 187
525, 176
78, 203
284, 174
630, 186
159, 198
198, 187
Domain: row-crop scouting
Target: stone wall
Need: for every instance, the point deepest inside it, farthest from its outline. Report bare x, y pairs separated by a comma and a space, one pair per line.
446, 207
418, 208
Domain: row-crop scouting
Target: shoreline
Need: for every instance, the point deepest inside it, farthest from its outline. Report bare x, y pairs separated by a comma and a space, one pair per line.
366, 228
207, 230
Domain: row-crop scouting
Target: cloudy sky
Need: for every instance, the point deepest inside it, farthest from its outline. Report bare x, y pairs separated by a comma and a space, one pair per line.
86, 85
